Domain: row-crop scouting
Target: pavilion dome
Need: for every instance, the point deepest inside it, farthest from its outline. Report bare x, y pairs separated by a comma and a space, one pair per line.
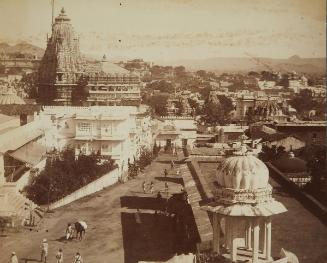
291, 164
243, 172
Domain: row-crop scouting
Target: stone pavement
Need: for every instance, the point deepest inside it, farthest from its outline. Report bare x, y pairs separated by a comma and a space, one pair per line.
112, 234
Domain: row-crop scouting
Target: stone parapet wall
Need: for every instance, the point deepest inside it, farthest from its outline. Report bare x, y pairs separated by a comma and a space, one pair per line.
106, 180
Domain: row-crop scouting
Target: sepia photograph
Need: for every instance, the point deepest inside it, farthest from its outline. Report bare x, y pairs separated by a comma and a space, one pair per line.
163, 131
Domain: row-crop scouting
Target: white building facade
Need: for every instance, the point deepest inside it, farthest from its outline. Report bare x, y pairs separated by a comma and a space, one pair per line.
116, 131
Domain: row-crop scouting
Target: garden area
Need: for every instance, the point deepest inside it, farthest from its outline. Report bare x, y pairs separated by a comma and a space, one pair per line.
64, 174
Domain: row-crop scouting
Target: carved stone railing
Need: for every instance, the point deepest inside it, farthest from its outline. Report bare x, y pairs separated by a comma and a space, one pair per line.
243, 196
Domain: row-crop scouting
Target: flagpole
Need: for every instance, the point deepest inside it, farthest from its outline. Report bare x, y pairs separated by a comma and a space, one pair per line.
52, 13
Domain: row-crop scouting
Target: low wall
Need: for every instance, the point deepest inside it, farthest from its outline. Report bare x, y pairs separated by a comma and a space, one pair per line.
306, 200
95, 186
24, 180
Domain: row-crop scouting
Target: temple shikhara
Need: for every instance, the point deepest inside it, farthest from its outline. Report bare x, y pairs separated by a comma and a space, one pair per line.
67, 78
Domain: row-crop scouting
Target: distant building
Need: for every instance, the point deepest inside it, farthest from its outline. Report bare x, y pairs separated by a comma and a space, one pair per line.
266, 84
312, 132
289, 142
176, 131
260, 108
294, 168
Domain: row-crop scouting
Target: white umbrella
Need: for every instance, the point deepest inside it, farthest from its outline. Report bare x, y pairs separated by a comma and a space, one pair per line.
83, 224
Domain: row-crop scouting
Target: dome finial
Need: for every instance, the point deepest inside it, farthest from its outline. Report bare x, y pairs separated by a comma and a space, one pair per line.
62, 10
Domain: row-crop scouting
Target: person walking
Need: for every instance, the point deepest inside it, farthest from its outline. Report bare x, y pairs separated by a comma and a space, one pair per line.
159, 202
69, 231
166, 188
151, 187
44, 250
78, 258
144, 186
165, 172
172, 164
13, 258
60, 256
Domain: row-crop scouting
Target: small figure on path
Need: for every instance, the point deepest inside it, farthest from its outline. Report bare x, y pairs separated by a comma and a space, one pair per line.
13, 258
78, 258
60, 256
144, 186
151, 187
69, 231
166, 172
159, 202
44, 250
166, 188
172, 164
138, 217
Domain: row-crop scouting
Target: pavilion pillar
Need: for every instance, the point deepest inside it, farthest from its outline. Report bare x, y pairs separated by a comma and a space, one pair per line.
228, 233
263, 237
233, 241
255, 251
268, 238
2, 170
216, 233
249, 235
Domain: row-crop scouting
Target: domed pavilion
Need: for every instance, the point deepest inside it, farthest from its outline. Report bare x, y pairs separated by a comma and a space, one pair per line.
294, 168
243, 209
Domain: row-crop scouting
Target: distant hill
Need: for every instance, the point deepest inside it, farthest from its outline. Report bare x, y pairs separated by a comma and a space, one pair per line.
21, 48
294, 63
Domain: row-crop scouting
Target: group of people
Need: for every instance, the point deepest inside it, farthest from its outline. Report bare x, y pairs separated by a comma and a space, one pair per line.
146, 188
44, 254
79, 228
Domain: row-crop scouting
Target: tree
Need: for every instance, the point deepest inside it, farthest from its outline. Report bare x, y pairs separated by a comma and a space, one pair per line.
226, 103
213, 113
145, 159
29, 84
180, 72
201, 73
284, 81
63, 174
159, 104
162, 86
303, 102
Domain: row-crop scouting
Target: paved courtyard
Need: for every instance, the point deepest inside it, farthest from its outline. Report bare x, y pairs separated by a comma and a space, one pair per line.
113, 235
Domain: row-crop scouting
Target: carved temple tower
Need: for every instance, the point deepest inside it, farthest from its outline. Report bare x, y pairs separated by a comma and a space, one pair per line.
62, 63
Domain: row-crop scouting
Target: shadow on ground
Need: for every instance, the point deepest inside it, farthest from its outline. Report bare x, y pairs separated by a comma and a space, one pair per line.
155, 238
135, 202
26, 260
175, 180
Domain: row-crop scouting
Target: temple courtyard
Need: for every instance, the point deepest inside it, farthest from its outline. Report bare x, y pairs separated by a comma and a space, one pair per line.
114, 235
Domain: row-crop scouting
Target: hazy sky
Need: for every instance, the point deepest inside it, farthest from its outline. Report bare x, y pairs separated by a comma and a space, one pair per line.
174, 29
